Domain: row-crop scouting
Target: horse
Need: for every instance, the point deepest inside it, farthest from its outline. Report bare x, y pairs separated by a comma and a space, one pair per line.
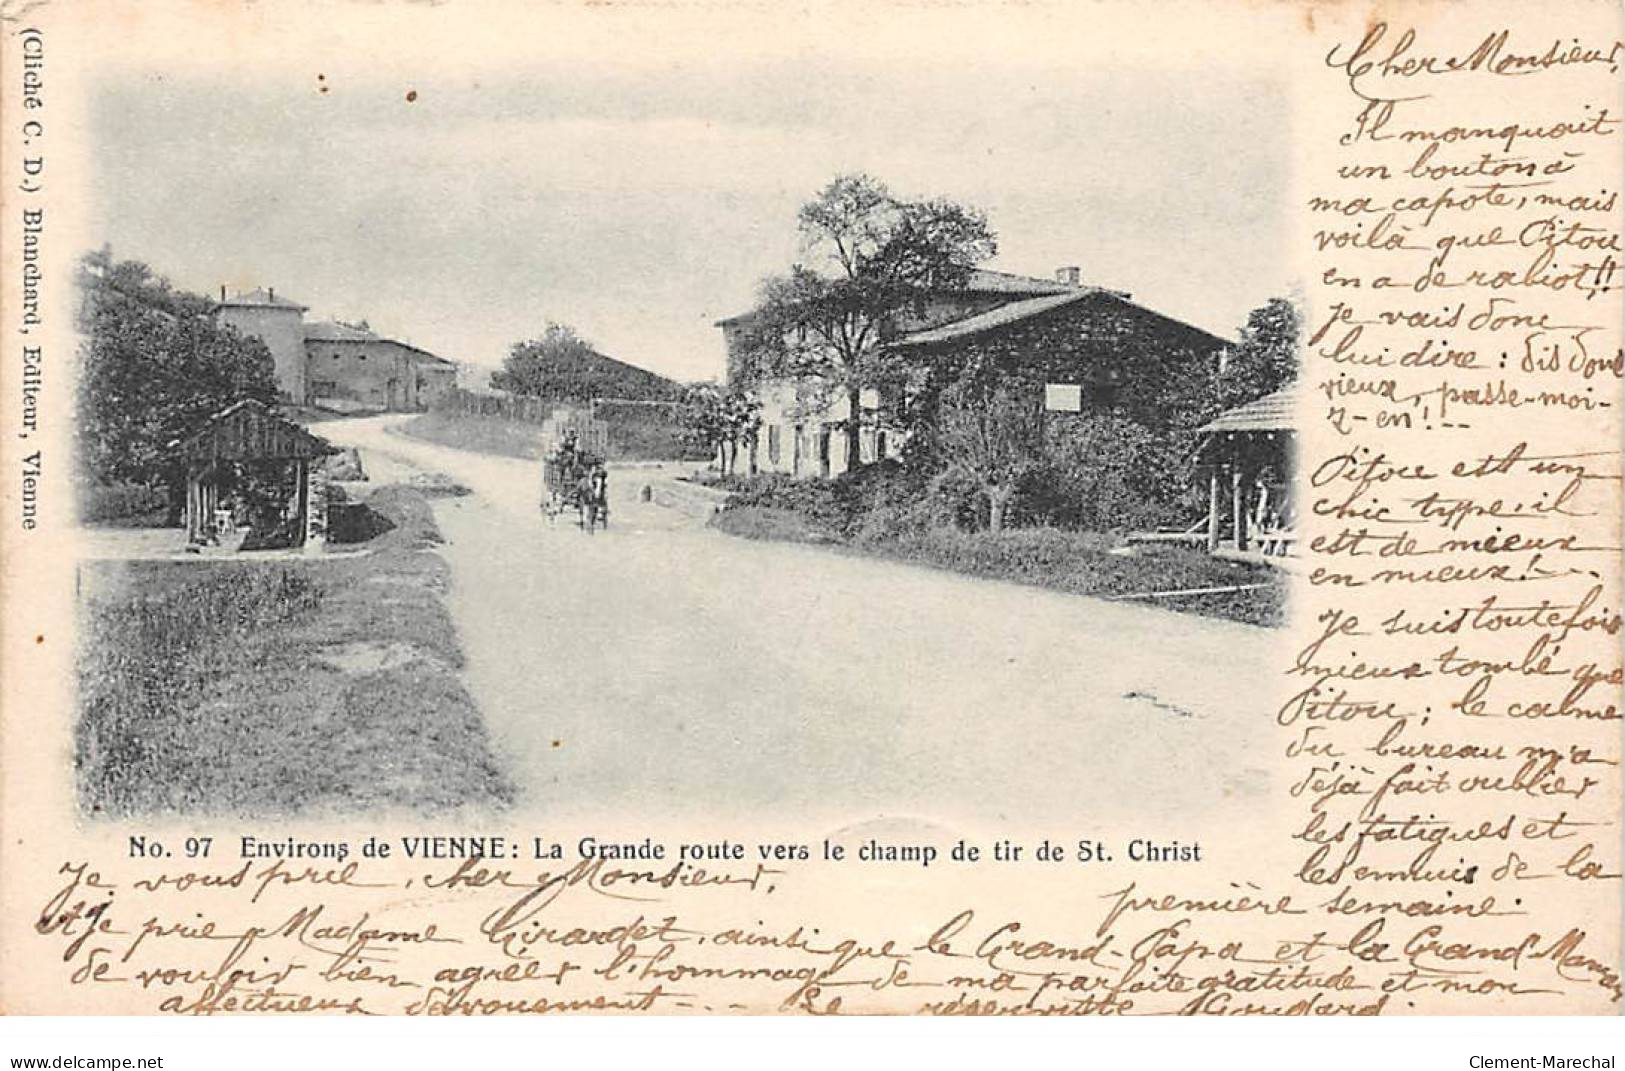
592, 499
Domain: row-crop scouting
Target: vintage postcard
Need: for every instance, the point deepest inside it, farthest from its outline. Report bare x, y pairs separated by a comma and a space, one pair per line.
726, 508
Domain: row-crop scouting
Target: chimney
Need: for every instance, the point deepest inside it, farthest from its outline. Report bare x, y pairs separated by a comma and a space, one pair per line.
1069, 275
222, 293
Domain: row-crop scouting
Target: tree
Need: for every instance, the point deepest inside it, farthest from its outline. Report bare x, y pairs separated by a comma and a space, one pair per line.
563, 366
1263, 360
870, 255
991, 430
718, 419
1266, 357
154, 364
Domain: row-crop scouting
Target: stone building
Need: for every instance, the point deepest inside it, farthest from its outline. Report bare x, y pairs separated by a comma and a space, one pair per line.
350, 363
802, 430
1090, 347
280, 324
333, 364
1093, 350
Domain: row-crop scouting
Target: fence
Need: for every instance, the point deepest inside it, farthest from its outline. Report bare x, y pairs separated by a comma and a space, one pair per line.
508, 406
634, 429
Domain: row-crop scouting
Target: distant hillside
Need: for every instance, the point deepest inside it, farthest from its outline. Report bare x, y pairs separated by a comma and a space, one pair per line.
561, 366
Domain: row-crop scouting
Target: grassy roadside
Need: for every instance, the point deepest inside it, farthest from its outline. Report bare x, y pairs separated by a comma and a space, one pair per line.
633, 436
283, 687
1079, 563
480, 434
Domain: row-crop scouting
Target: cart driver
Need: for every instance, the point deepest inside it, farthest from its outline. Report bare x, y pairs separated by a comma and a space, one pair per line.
569, 456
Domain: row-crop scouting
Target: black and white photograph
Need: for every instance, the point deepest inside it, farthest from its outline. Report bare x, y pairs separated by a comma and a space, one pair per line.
648, 432
742, 514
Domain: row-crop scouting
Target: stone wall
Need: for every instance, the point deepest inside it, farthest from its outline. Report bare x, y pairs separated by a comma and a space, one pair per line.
377, 372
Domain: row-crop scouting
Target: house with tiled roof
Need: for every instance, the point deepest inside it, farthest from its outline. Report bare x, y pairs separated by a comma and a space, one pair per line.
350, 366
1091, 348
277, 322
333, 364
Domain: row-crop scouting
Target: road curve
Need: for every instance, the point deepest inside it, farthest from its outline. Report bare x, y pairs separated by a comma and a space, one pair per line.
663, 666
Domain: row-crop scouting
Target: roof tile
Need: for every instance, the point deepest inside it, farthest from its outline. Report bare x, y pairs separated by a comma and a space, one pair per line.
1273, 412
262, 298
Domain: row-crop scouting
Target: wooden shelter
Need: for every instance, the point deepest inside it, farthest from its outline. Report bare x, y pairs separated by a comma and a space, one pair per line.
247, 432
1249, 455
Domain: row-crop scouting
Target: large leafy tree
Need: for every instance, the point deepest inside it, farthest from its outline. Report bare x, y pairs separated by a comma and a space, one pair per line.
563, 366
154, 364
868, 255
720, 420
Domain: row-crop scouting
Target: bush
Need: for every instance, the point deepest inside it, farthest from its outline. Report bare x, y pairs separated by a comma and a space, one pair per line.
841, 507
770, 522
129, 502
355, 522
816, 500
890, 511
1109, 473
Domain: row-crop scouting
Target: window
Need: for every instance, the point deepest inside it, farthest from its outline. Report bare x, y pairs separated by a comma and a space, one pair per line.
773, 444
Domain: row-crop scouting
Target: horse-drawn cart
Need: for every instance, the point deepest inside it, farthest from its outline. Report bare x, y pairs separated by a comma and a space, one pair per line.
575, 480
573, 473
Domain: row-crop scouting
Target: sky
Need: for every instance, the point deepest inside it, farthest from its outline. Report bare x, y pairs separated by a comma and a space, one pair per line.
636, 179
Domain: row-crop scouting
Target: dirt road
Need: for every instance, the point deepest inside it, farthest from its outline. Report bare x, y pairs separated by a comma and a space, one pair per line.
664, 665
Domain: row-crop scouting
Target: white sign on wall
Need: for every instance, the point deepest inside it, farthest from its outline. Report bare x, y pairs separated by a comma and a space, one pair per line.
1063, 397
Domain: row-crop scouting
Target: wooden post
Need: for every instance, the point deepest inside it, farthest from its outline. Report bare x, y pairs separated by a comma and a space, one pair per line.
316, 518
193, 503
1213, 510
1238, 507
301, 497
